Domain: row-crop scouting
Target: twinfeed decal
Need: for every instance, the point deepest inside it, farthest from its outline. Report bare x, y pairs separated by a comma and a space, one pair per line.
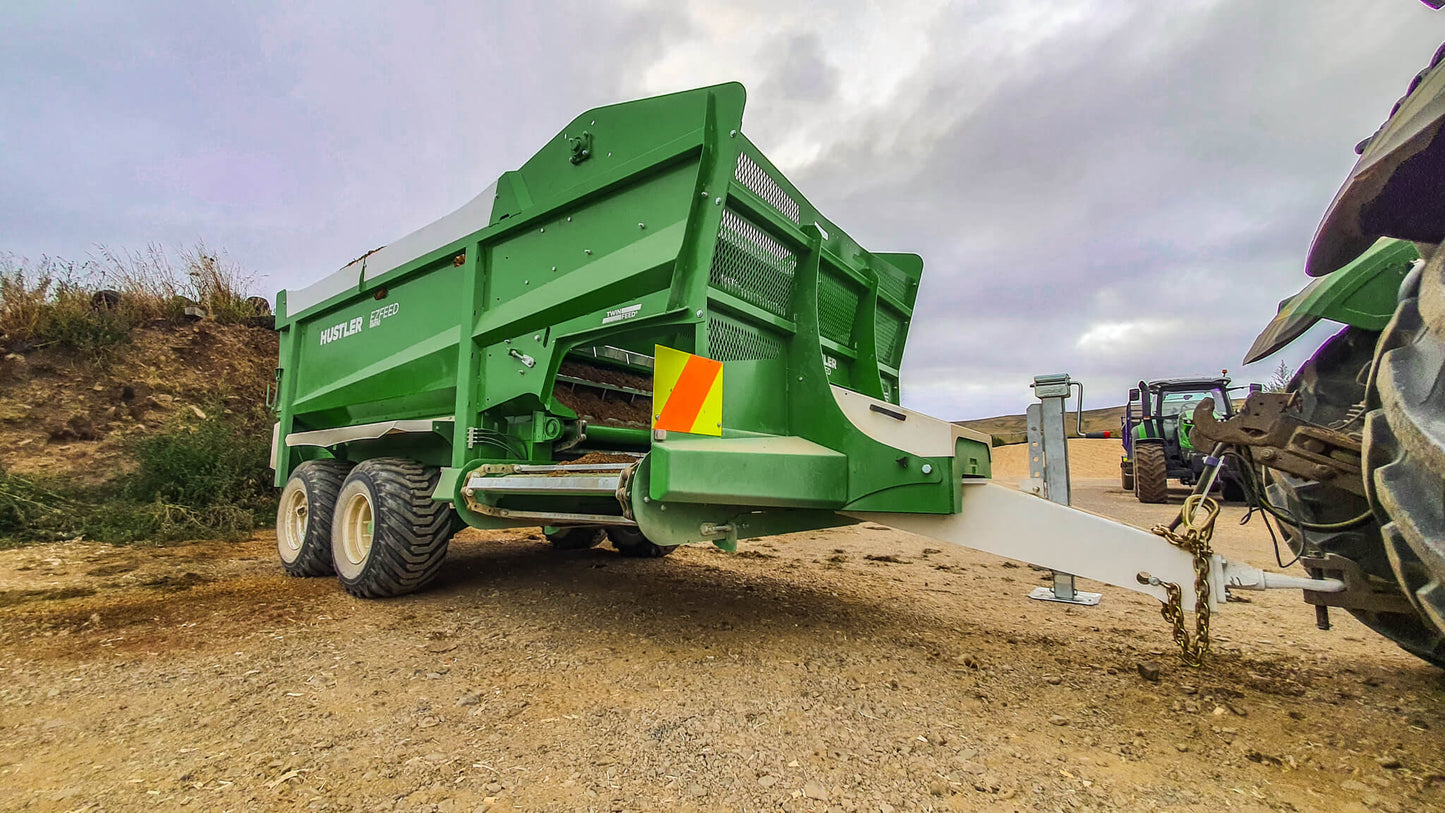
621, 314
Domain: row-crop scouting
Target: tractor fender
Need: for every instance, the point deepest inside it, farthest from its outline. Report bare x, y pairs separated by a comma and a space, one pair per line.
1361, 294
1394, 188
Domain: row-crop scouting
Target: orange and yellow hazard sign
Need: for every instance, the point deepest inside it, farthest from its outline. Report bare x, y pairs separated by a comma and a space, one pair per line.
686, 392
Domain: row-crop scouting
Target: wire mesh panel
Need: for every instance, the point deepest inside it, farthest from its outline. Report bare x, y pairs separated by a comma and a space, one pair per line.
752, 266
837, 308
890, 337
754, 263
732, 339
893, 283
756, 179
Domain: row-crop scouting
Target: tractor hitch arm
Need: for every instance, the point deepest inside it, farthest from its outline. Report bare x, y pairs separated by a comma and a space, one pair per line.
1281, 440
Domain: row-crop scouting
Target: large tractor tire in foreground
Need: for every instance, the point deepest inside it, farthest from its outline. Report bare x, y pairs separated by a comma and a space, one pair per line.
1404, 443
389, 536
303, 519
1331, 387
1151, 473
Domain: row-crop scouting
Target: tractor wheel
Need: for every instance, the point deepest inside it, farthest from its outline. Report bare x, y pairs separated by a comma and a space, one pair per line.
1151, 473
388, 535
1231, 489
1330, 387
575, 537
303, 519
1126, 475
1404, 441
629, 541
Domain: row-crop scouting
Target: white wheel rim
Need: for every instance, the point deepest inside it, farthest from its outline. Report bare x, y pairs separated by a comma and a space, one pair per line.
356, 526
291, 522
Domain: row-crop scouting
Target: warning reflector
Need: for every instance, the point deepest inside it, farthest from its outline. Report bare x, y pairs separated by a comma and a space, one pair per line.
686, 392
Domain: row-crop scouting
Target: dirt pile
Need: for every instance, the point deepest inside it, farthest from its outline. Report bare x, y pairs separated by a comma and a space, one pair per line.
1011, 429
69, 414
1088, 458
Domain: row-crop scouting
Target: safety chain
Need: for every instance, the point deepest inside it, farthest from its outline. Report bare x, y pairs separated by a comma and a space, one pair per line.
624, 490
1196, 526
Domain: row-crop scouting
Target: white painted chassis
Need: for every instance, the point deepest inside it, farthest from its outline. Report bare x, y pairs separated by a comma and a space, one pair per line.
999, 520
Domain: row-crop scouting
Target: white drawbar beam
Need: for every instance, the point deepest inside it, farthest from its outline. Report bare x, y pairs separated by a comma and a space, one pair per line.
998, 520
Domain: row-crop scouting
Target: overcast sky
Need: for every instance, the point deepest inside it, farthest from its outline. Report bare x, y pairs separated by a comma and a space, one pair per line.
1117, 190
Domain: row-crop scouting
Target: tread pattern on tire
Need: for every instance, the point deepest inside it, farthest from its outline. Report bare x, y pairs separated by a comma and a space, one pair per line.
1329, 386
410, 530
630, 542
1404, 442
323, 480
576, 537
1126, 476
1151, 473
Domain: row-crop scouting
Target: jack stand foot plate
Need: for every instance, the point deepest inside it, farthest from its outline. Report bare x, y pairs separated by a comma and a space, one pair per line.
1080, 597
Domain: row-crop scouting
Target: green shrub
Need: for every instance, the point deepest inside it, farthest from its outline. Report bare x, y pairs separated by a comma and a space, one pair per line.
222, 460
207, 481
74, 325
32, 510
122, 522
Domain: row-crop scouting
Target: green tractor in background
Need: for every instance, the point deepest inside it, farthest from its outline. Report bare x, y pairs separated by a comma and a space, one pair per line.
1155, 428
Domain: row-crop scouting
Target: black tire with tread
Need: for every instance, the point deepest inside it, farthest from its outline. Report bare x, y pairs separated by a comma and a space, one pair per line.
410, 529
576, 537
322, 480
1404, 443
1329, 385
1126, 475
630, 541
1151, 473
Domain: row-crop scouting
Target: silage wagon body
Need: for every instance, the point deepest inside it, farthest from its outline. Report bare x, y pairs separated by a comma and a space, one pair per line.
647, 223
645, 330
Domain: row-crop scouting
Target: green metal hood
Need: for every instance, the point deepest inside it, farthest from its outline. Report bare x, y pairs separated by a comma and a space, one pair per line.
1361, 294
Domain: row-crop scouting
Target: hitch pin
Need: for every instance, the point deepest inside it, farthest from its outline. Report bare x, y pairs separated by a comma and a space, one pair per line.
1244, 577
522, 357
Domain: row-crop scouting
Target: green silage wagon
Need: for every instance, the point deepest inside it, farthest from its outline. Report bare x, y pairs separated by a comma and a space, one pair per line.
646, 333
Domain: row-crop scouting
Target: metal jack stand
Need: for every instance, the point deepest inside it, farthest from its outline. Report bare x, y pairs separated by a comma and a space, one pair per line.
1049, 468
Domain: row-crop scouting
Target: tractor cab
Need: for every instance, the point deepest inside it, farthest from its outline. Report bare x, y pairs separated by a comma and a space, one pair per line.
1155, 430
1175, 408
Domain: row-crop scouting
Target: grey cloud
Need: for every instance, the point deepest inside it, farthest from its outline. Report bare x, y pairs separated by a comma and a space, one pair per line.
1060, 166
802, 71
1186, 180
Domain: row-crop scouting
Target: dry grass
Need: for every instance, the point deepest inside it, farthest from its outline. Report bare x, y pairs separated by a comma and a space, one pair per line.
92, 305
30, 293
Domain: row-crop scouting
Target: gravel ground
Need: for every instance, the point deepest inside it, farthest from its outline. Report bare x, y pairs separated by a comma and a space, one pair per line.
853, 669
